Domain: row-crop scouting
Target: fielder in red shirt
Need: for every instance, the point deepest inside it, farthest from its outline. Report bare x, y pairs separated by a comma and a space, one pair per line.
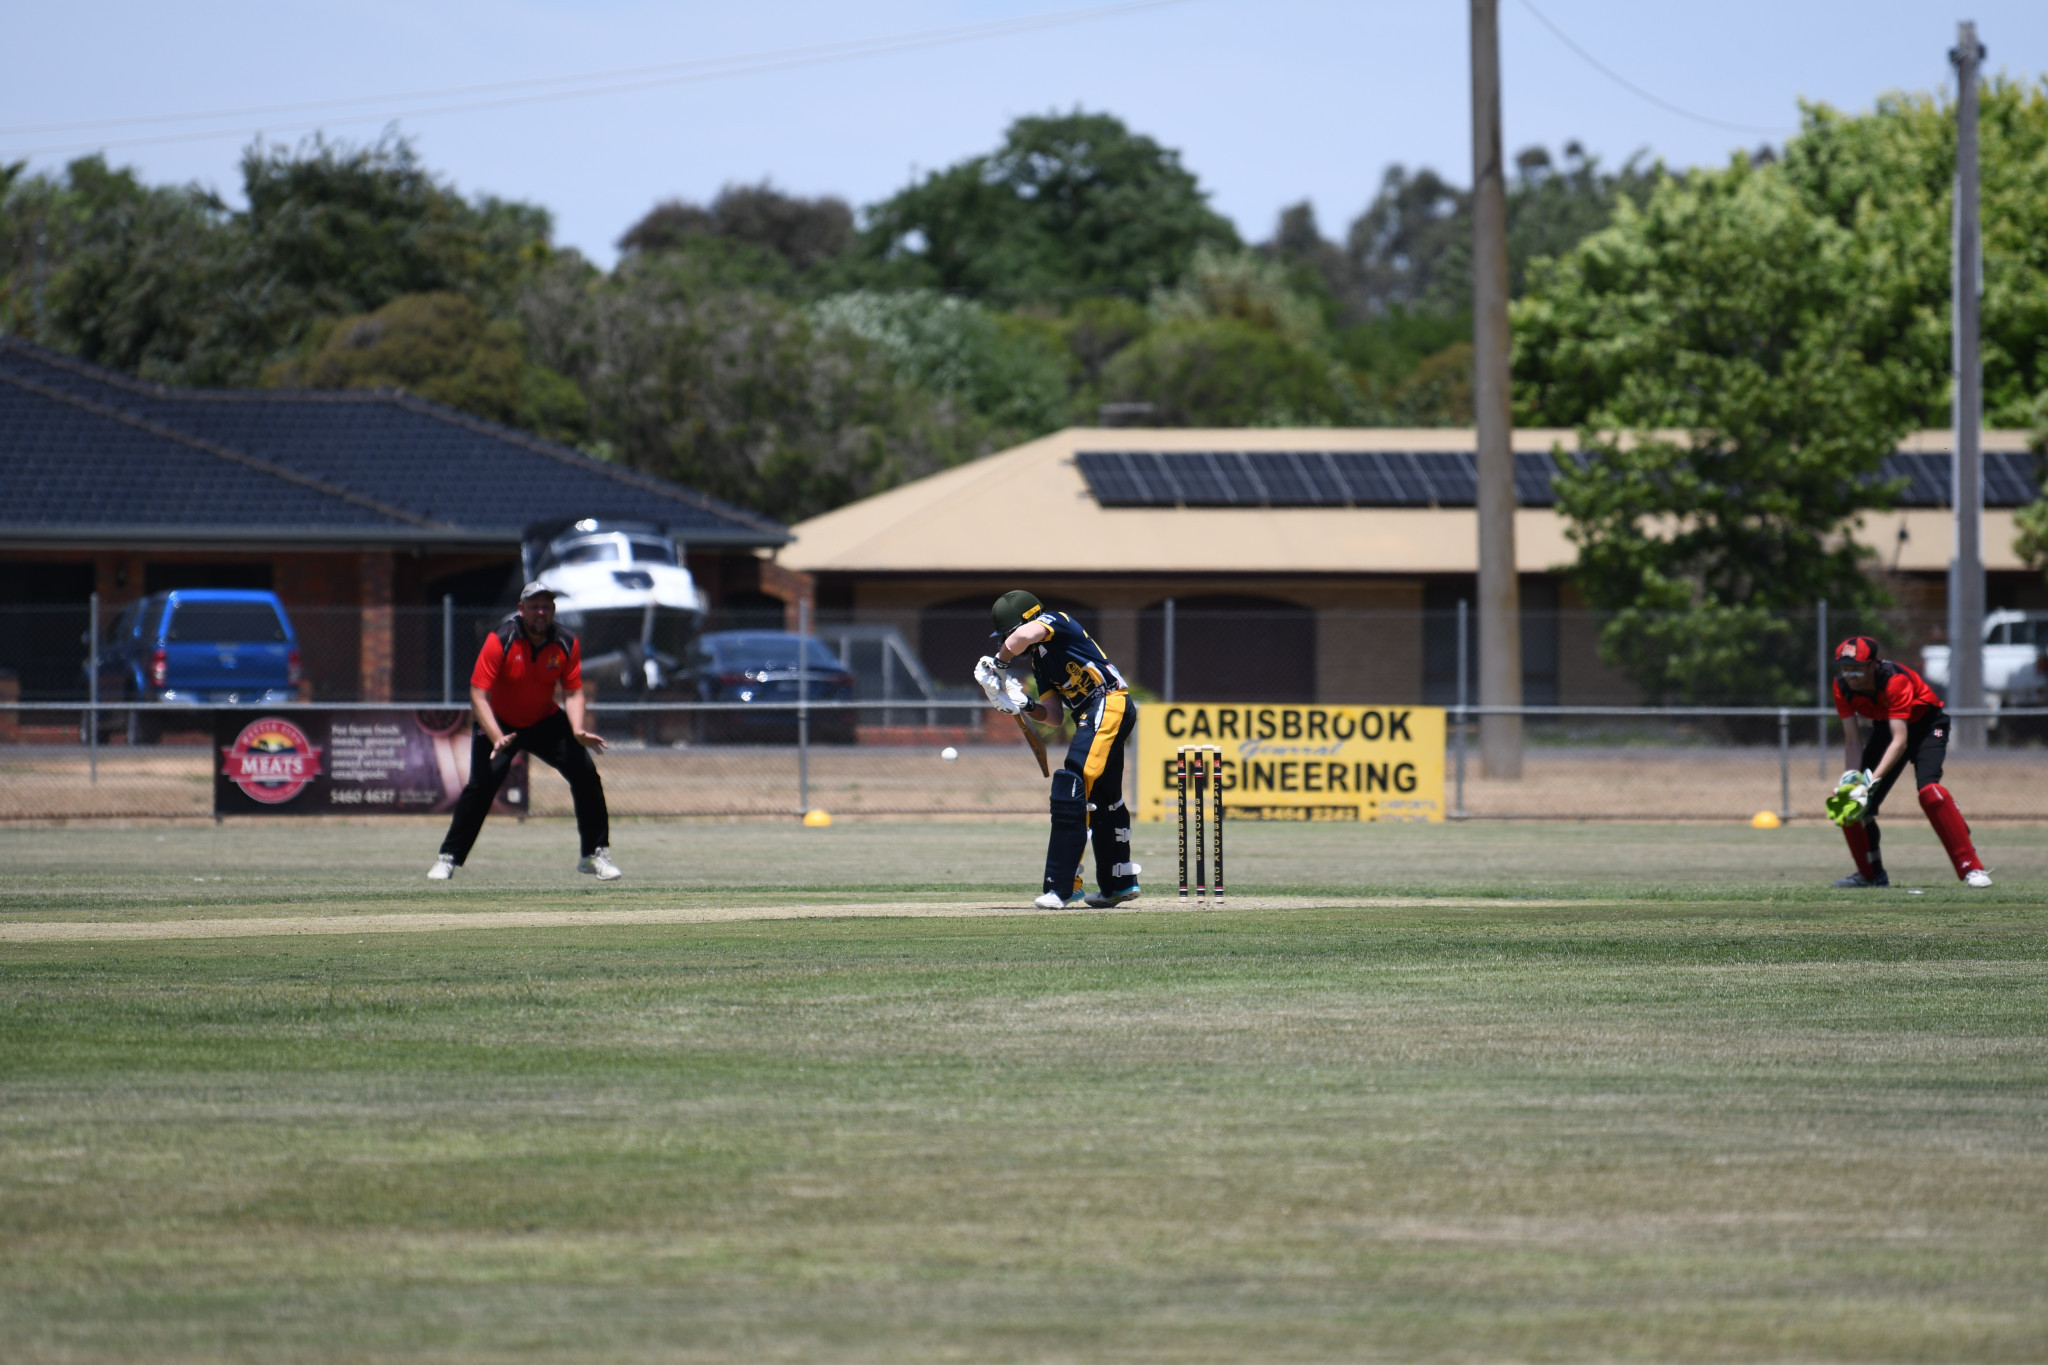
1908, 726
512, 691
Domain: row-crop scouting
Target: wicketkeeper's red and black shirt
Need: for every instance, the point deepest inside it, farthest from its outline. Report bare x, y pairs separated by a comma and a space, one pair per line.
1901, 694
521, 679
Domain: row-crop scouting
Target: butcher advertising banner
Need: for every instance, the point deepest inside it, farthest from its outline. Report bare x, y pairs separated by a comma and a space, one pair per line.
315, 762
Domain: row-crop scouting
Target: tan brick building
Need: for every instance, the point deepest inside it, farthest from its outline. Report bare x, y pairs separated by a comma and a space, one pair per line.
1301, 563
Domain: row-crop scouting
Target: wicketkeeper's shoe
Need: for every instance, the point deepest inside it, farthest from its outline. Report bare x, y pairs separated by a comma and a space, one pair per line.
443, 868
600, 863
1976, 876
1102, 900
1856, 879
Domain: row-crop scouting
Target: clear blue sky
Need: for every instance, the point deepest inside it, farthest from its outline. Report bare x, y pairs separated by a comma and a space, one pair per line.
1269, 102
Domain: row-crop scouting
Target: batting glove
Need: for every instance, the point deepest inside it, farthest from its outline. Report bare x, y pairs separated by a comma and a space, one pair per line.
1004, 692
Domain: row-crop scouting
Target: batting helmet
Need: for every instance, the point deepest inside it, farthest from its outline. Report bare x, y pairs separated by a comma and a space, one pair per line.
1013, 609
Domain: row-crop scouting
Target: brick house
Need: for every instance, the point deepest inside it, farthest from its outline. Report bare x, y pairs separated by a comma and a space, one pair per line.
361, 509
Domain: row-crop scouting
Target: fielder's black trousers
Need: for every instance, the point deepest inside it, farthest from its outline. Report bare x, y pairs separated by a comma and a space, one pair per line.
1926, 752
553, 743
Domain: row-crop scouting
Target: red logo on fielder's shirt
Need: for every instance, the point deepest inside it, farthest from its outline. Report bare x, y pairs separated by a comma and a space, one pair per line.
271, 761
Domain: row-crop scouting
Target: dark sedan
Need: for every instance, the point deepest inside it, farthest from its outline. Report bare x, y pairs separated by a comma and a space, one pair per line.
757, 671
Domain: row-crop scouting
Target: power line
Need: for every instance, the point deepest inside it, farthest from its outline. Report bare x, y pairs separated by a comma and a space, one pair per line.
1635, 89
618, 81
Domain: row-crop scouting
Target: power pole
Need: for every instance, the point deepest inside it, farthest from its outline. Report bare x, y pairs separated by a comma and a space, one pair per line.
1500, 617
1966, 570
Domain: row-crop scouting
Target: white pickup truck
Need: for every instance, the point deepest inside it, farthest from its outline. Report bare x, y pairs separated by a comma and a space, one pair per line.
2015, 660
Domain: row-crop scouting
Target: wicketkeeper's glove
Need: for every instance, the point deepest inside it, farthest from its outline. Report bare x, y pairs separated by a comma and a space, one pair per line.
1851, 798
1004, 692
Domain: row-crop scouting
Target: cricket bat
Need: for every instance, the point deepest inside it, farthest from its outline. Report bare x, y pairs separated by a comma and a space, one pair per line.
1037, 745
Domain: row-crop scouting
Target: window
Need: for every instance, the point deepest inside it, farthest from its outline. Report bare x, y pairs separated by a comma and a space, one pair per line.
595, 552
224, 621
652, 552
771, 653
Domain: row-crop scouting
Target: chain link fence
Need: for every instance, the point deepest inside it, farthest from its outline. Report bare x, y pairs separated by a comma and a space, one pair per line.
1698, 763
1616, 763
1591, 751
1213, 648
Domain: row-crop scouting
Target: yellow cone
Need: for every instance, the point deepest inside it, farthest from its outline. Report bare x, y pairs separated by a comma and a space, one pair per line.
818, 819
1765, 819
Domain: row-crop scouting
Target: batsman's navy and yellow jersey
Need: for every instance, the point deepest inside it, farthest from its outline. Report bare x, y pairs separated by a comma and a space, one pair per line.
1071, 663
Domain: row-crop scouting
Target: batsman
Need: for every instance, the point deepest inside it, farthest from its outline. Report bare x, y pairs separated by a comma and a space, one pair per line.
1073, 673
1908, 725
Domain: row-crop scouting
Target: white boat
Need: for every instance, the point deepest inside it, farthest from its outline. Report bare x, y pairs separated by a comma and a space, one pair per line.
624, 589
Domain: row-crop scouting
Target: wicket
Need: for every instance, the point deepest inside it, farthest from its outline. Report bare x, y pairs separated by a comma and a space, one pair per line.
1207, 762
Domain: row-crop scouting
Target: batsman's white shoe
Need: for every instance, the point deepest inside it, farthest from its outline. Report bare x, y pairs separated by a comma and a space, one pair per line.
1101, 900
1976, 876
1051, 900
600, 863
443, 868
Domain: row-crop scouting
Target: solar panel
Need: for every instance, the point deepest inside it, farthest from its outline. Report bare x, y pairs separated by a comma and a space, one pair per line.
2011, 478
1435, 478
1299, 478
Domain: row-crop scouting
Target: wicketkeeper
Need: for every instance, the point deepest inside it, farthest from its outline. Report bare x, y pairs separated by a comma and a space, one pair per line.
512, 690
1088, 790
1909, 726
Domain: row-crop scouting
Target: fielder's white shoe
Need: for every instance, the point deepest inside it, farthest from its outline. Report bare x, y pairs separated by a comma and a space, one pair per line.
443, 868
1976, 876
600, 863
1051, 900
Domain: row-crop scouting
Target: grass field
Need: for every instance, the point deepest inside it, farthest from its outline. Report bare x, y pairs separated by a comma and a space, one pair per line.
1486, 1092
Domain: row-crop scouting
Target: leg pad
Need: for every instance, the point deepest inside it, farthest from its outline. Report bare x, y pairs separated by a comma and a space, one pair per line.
1950, 828
1069, 837
1069, 806
1858, 839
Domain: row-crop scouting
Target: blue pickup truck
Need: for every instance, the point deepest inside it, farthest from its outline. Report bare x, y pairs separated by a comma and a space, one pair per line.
200, 646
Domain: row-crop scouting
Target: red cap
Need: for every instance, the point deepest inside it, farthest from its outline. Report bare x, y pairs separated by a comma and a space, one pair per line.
1857, 649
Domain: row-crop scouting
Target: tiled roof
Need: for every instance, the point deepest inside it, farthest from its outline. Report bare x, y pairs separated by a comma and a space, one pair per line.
87, 451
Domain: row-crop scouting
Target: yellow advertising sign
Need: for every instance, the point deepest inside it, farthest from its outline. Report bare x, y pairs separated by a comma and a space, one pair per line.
1300, 762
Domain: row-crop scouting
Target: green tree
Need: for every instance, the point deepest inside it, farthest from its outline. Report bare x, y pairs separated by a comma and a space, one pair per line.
1004, 368
1226, 372
1397, 293
1094, 330
442, 347
97, 264
1725, 309
2031, 545
735, 391
1070, 205
334, 230
1243, 285
1888, 176
169, 284
800, 233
